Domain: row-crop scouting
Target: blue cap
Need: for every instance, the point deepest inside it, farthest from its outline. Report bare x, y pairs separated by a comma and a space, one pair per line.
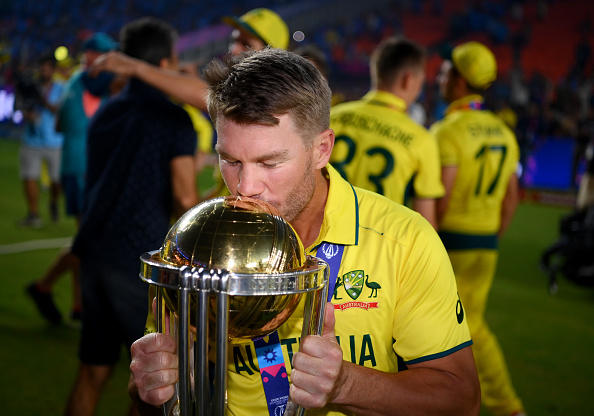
100, 42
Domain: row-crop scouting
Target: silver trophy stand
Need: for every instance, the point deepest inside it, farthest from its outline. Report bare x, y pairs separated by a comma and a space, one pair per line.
196, 398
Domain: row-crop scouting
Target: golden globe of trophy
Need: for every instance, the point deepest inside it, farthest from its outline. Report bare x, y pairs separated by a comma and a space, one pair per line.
229, 268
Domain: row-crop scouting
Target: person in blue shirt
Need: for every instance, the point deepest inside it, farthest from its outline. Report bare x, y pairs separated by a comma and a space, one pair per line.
81, 98
41, 142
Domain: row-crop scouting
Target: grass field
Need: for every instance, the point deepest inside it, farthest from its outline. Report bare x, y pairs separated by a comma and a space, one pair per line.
548, 340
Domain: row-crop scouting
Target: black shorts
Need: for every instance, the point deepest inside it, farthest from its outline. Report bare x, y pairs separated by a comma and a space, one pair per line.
114, 309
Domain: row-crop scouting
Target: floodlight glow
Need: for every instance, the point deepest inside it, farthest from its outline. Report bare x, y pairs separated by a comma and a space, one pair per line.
298, 36
61, 53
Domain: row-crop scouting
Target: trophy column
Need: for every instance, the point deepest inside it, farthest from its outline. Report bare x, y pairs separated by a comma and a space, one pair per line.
230, 268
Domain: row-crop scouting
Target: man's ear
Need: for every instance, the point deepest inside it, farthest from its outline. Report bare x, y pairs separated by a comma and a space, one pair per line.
323, 145
404, 80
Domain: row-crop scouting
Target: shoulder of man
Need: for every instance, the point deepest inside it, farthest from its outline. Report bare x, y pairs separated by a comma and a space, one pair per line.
168, 109
415, 128
383, 212
451, 122
345, 106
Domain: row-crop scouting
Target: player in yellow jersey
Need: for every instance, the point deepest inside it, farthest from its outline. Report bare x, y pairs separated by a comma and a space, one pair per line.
378, 146
479, 158
395, 300
206, 159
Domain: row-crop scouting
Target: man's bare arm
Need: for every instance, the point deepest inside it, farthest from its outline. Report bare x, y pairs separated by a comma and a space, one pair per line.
185, 88
427, 208
448, 177
509, 204
183, 184
443, 386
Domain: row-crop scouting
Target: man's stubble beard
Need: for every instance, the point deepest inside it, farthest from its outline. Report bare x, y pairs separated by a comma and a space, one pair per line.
301, 194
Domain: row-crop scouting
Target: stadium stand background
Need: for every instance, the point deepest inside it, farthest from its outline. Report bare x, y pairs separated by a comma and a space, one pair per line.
543, 49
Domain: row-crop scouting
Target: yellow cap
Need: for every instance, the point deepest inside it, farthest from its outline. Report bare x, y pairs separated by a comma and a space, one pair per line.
265, 24
476, 63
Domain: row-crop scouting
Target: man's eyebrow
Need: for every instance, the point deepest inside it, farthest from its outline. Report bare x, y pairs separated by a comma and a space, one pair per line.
281, 154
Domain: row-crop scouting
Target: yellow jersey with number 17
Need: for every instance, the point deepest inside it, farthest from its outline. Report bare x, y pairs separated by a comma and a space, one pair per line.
380, 148
486, 153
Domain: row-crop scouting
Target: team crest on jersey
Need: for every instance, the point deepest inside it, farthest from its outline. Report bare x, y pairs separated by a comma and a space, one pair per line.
353, 284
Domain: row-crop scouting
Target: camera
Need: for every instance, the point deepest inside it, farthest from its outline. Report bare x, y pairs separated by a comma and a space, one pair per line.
28, 91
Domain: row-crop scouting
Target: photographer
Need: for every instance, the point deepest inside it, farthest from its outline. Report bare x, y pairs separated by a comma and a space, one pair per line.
38, 99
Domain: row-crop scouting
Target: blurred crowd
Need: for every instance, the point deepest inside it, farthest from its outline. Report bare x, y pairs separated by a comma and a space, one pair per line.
29, 28
553, 100
535, 103
124, 133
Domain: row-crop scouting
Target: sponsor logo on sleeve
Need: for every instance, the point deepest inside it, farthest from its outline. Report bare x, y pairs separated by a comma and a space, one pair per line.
459, 310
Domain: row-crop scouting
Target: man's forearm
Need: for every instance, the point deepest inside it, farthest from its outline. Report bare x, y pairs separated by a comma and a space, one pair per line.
509, 205
419, 390
186, 88
183, 183
427, 208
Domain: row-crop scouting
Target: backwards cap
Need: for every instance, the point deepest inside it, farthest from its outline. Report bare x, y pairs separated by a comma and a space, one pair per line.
476, 63
264, 24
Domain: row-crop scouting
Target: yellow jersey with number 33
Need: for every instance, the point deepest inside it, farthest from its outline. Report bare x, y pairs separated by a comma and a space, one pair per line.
486, 153
380, 148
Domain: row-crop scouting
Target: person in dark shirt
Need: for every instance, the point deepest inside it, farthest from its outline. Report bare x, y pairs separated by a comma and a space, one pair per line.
140, 174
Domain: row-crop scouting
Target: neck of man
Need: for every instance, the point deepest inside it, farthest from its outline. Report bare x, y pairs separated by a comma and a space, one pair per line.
401, 93
308, 222
457, 94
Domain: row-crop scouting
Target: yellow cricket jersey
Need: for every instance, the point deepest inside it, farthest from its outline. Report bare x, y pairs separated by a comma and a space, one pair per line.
486, 153
380, 148
395, 295
203, 126
205, 132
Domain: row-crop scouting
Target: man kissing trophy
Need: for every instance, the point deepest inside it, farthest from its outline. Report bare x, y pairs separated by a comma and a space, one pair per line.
231, 268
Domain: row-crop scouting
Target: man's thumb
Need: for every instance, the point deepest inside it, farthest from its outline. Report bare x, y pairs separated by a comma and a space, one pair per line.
329, 321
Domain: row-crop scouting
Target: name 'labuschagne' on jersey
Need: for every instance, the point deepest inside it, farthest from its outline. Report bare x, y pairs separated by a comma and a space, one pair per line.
373, 125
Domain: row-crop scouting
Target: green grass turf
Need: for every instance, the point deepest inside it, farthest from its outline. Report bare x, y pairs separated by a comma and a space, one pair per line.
548, 340
38, 362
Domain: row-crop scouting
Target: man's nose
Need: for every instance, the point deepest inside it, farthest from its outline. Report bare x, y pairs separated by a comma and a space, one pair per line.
250, 182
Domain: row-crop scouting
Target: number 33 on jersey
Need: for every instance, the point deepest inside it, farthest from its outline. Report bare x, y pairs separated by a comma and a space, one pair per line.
380, 148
